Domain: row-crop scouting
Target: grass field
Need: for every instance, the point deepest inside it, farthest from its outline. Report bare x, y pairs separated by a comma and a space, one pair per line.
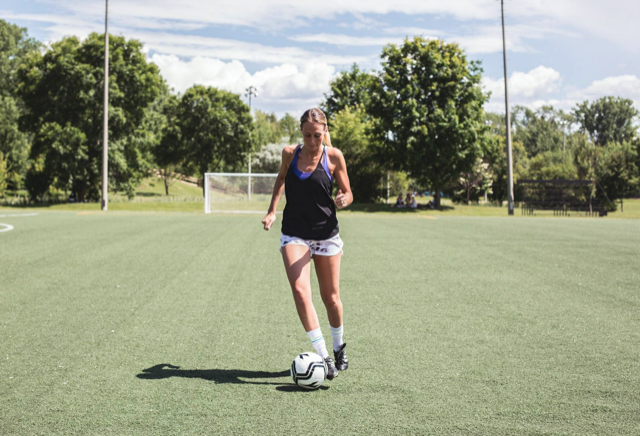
631, 209
183, 323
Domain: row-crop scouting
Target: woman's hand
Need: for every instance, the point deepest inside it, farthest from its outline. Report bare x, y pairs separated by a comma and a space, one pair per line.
268, 220
341, 200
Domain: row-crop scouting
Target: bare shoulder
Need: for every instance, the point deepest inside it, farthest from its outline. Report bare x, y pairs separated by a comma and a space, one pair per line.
335, 155
288, 152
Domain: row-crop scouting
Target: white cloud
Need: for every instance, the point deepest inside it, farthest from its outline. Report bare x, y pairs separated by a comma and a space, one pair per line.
192, 45
283, 88
627, 86
411, 31
547, 81
538, 82
346, 39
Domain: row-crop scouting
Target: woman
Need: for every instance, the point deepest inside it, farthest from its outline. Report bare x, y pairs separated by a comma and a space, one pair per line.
310, 229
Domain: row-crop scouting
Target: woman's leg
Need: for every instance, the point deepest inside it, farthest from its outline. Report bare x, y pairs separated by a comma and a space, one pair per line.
297, 263
328, 272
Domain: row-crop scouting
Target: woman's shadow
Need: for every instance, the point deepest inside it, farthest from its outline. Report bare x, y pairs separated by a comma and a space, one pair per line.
166, 370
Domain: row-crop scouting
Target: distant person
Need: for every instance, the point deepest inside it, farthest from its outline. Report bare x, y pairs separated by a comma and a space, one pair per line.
414, 203
408, 200
399, 201
310, 229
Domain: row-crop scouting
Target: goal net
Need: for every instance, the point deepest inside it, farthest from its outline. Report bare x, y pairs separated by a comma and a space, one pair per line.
238, 192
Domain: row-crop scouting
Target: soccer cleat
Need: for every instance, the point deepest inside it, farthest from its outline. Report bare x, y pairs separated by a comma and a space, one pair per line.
342, 363
332, 372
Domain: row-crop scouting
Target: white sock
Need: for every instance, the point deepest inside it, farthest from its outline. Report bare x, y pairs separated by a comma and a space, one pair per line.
336, 334
317, 340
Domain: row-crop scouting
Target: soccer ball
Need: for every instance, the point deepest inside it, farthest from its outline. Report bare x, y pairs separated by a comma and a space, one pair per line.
308, 370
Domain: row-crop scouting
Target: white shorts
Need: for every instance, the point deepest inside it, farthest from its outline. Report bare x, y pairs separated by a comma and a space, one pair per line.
327, 247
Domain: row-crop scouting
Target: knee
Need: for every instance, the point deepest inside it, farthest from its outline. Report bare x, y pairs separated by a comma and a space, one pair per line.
332, 300
301, 296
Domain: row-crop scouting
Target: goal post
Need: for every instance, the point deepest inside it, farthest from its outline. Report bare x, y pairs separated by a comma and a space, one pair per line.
238, 192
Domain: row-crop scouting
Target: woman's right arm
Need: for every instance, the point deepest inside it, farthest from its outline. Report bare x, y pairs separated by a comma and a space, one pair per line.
287, 156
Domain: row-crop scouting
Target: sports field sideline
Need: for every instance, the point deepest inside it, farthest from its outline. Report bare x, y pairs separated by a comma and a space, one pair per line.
182, 323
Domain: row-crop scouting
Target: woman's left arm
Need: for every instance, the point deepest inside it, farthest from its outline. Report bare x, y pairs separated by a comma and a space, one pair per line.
345, 196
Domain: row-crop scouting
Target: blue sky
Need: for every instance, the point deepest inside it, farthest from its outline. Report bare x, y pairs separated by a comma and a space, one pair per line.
559, 51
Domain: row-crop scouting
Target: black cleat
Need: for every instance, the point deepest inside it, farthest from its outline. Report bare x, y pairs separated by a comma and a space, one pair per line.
332, 372
342, 363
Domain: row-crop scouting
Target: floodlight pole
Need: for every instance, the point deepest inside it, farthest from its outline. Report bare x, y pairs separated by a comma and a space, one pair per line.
252, 91
105, 117
507, 119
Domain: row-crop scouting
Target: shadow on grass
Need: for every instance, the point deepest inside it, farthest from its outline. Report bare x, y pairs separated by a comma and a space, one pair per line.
166, 370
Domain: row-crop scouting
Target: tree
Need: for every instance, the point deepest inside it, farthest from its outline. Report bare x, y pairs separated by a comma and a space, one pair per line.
216, 129
552, 165
350, 132
266, 129
539, 131
3, 175
15, 44
348, 89
14, 144
617, 172
496, 157
62, 90
608, 119
167, 152
429, 106
267, 159
290, 128
476, 180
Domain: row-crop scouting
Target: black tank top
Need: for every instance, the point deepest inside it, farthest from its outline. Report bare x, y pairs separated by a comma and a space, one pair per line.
310, 212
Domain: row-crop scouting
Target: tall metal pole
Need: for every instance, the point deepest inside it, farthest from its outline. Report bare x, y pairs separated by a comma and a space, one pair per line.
507, 119
105, 128
252, 91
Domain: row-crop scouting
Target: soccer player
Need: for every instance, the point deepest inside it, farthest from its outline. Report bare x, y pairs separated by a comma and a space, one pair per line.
310, 229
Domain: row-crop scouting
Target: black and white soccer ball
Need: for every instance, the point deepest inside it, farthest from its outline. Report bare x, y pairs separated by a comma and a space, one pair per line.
309, 370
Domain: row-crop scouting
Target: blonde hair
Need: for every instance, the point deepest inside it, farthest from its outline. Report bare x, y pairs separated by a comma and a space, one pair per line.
314, 115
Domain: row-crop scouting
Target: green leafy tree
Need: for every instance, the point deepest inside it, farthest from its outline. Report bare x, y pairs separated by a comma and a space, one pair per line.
62, 90
216, 129
348, 89
350, 132
475, 182
552, 165
167, 152
429, 111
266, 129
3, 175
290, 128
608, 119
15, 44
496, 157
617, 172
540, 130
14, 144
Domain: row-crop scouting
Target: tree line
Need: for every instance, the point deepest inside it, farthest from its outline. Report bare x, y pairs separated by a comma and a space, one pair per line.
418, 123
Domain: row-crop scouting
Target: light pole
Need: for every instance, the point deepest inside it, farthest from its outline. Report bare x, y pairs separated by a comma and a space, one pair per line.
105, 120
507, 119
252, 91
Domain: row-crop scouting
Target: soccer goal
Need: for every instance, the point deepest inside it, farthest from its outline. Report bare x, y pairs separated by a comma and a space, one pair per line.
238, 192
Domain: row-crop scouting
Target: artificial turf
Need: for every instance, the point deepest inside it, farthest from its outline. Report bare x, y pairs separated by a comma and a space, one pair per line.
181, 323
